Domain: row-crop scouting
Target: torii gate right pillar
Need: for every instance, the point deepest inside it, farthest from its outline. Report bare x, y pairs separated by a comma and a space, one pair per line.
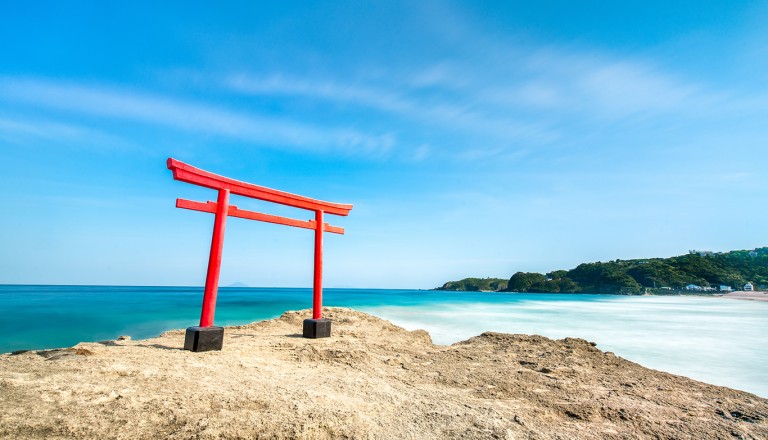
317, 327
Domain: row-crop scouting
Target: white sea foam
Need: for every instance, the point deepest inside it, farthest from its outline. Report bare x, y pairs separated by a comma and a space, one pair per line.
714, 340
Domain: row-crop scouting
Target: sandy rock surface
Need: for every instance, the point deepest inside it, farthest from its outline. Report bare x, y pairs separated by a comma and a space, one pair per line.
371, 379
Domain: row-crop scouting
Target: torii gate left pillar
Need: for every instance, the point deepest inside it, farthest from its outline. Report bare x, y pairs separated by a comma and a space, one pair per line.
206, 336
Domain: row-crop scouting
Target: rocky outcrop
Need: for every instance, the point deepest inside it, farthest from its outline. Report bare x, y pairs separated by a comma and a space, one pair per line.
371, 379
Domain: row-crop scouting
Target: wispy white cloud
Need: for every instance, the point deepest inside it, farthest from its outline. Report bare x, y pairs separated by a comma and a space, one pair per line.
42, 129
609, 87
189, 116
499, 72
18, 130
406, 100
534, 101
422, 152
630, 87
550, 83
318, 89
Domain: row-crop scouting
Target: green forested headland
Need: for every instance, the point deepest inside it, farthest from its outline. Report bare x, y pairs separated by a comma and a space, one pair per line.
704, 269
476, 284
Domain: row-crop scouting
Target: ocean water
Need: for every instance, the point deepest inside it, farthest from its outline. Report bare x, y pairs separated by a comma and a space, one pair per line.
714, 340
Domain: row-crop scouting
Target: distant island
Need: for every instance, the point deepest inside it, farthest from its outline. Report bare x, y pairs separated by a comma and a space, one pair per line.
697, 271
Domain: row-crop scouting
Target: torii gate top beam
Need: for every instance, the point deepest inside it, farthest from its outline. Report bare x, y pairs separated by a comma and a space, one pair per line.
188, 173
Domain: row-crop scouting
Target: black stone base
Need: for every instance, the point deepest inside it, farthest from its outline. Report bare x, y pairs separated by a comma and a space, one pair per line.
204, 338
317, 328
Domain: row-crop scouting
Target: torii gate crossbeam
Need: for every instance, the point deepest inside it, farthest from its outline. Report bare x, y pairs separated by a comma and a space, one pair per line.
207, 336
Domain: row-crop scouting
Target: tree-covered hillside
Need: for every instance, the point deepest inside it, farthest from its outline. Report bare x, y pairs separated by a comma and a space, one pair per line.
476, 284
705, 269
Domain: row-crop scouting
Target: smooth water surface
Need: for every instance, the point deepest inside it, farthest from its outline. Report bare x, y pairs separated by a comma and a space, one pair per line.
715, 340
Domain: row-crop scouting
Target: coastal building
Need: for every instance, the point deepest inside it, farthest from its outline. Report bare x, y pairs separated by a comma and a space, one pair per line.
724, 288
694, 288
749, 287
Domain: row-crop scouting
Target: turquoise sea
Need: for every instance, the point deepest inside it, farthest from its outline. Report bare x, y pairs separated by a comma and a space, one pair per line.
715, 340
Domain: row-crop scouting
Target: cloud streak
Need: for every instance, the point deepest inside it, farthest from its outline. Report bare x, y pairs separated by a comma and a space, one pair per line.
18, 130
407, 101
188, 116
531, 100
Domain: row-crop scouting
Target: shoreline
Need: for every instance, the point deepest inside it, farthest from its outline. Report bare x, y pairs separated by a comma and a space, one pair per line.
761, 296
747, 296
371, 379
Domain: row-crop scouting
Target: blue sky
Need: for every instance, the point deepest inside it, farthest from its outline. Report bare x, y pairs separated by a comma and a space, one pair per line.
473, 138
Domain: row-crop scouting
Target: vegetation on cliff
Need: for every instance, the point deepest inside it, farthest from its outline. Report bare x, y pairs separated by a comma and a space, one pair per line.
476, 284
705, 269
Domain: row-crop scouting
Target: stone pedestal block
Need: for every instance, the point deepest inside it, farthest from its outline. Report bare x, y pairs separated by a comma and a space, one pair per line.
204, 338
317, 328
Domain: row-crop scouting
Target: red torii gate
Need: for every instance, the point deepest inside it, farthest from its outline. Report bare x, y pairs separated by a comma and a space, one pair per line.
207, 336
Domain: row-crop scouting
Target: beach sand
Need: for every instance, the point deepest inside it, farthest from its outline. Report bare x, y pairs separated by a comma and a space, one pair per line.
371, 379
750, 296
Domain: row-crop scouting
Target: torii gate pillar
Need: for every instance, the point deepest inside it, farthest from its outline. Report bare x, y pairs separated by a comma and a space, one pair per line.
317, 327
206, 336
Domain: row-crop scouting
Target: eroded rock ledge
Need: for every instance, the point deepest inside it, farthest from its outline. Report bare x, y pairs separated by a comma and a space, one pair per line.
372, 379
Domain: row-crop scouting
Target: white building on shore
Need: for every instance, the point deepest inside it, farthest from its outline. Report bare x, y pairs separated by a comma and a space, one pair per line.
749, 287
